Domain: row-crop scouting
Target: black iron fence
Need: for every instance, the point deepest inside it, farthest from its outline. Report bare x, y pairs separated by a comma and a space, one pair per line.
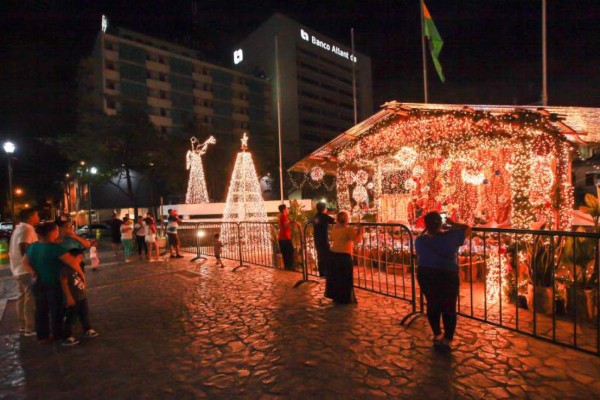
539, 283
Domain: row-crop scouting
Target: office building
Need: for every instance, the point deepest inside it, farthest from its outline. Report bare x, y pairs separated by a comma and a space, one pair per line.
180, 89
315, 80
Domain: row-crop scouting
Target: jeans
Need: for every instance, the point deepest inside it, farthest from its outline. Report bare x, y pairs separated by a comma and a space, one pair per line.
141, 244
440, 287
25, 302
287, 252
48, 310
81, 311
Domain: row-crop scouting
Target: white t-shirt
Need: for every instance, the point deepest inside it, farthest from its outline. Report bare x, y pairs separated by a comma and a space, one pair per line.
23, 233
126, 231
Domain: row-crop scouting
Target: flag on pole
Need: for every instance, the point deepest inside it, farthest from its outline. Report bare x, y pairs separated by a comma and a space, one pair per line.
435, 41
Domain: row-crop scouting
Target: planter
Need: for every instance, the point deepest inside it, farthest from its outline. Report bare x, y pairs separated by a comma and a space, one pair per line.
586, 302
541, 298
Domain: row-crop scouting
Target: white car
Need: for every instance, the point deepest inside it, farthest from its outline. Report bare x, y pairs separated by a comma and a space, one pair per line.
6, 226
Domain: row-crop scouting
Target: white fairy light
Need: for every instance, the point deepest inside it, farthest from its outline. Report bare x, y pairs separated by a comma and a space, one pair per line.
196, 191
245, 204
406, 156
317, 173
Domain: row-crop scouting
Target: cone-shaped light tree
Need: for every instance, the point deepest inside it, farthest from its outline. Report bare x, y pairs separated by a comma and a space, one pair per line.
245, 205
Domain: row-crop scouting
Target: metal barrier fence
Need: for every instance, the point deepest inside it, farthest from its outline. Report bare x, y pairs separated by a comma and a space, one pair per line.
383, 260
539, 283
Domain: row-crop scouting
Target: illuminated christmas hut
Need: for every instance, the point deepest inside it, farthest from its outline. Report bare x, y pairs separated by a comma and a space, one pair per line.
499, 166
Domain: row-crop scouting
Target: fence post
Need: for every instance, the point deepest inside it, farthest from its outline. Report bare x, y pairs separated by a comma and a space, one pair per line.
304, 258
240, 248
415, 314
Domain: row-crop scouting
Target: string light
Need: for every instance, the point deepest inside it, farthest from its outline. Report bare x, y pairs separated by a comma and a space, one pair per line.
468, 161
245, 203
196, 190
317, 173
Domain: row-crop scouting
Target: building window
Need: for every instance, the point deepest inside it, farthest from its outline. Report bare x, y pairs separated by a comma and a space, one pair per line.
163, 95
161, 60
244, 125
162, 77
207, 87
109, 45
110, 66
208, 103
111, 104
207, 119
164, 130
112, 85
164, 112
244, 96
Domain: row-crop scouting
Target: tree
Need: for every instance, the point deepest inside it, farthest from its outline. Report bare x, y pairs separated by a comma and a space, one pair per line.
116, 144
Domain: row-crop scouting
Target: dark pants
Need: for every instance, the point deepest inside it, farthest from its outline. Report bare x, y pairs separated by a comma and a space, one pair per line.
287, 252
440, 287
340, 282
141, 244
48, 310
79, 310
323, 255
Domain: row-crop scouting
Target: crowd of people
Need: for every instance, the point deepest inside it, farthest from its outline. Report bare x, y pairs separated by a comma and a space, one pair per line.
47, 261
128, 236
437, 271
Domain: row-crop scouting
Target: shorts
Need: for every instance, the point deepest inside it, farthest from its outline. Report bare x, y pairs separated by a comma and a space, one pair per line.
150, 238
173, 239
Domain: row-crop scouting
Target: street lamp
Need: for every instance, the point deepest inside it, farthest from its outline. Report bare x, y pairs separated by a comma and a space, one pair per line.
9, 148
91, 171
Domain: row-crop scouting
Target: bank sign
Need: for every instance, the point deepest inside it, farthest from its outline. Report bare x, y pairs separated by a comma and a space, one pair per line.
326, 46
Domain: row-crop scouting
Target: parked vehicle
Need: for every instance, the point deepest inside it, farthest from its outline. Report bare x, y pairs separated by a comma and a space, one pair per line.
6, 226
102, 229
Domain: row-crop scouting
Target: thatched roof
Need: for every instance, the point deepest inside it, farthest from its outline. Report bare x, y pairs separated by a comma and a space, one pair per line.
580, 125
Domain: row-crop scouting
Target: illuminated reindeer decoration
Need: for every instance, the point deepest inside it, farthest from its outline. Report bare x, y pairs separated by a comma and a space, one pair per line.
196, 191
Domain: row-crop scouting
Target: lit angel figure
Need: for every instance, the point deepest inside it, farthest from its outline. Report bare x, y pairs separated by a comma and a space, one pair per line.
196, 191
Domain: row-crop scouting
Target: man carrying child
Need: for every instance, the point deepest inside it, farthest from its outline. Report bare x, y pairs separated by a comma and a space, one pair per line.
76, 304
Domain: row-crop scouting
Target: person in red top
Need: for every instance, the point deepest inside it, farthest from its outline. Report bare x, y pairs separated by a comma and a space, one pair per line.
285, 238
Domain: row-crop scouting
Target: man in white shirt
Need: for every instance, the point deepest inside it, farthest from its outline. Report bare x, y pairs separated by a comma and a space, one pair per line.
23, 235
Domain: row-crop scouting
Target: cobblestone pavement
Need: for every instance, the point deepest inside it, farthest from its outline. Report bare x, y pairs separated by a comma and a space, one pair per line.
182, 331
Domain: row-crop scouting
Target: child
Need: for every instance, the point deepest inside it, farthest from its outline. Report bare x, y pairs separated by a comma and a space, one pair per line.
94, 255
75, 302
217, 247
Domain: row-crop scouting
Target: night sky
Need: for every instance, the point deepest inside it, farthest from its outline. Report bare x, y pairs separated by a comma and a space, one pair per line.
491, 54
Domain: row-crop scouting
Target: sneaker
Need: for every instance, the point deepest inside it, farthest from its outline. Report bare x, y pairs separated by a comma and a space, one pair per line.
91, 333
70, 341
178, 256
28, 333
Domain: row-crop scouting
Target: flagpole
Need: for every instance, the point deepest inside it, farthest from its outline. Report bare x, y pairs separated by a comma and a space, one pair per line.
425, 95
354, 79
544, 57
278, 118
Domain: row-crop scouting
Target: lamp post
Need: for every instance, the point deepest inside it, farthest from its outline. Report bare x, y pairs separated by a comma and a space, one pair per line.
91, 171
9, 149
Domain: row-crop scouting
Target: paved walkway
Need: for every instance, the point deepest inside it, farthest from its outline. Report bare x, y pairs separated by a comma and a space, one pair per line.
182, 331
